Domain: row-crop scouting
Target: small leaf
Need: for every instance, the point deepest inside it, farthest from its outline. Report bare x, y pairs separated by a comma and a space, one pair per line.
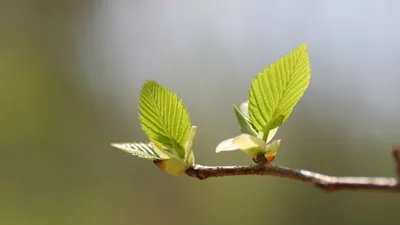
140, 150
271, 129
247, 143
161, 157
189, 157
174, 166
273, 148
164, 118
163, 153
244, 109
244, 122
271, 134
276, 90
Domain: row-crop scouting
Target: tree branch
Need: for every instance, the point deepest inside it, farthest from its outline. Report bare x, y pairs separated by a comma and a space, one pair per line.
396, 156
326, 182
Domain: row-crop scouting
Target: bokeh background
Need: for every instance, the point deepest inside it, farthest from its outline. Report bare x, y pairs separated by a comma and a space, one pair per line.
71, 73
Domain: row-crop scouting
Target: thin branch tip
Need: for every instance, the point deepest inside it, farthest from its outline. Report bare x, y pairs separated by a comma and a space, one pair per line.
325, 182
396, 156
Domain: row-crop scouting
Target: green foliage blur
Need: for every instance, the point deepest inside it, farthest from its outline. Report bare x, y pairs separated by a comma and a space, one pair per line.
58, 118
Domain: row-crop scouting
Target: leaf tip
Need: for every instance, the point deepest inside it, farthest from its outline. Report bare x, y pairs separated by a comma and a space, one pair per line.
303, 46
150, 82
116, 145
304, 49
226, 145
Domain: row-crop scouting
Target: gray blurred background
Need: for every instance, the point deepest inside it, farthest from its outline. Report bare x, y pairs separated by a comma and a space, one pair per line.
71, 73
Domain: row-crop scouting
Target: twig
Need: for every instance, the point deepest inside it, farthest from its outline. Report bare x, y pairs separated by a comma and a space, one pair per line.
326, 182
396, 156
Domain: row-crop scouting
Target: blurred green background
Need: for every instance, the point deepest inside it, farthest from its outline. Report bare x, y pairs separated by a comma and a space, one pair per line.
71, 73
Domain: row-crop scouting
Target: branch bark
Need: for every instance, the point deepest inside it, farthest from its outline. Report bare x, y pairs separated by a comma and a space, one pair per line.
326, 182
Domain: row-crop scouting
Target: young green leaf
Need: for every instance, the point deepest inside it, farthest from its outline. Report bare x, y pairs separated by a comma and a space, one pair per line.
170, 163
174, 166
163, 159
189, 157
244, 122
273, 148
142, 150
164, 118
245, 142
271, 127
276, 90
251, 145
